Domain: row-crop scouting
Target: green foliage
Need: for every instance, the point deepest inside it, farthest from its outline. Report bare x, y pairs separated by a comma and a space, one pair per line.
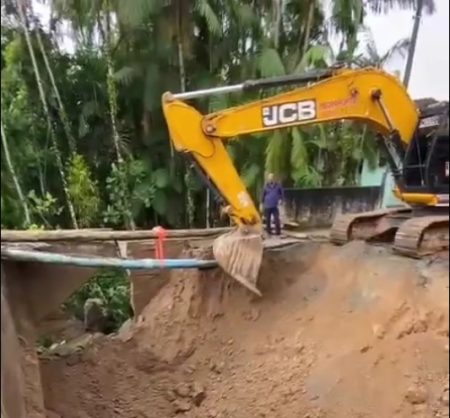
277, 154
318, 56
303, 173
44, 208
112, 287
118, 208
134, 12
84, 191
205, 10
270, 63
190, 209
133, 188
34, 227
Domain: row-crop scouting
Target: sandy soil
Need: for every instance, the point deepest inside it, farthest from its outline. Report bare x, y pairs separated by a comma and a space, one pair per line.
341, 332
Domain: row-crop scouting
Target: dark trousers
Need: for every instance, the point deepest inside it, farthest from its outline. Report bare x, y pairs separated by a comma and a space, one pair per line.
268, 213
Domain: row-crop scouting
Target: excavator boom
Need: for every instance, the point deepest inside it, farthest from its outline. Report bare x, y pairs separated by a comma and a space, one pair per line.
359, 95
369, 96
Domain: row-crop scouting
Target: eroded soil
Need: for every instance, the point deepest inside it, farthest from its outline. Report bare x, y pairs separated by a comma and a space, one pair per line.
341, 332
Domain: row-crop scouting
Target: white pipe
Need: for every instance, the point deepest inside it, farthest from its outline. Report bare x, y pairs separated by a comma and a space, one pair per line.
208, 92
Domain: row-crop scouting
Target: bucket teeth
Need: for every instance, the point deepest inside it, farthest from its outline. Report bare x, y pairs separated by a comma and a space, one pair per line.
239, 253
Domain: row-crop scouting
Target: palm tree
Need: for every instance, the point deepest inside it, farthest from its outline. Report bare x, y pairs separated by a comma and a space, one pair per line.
58, 156
346, 18
174, 20
61, 108
371, 57
385, 6
412, 47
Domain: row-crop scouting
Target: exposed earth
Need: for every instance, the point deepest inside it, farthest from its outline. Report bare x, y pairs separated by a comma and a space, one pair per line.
341, 332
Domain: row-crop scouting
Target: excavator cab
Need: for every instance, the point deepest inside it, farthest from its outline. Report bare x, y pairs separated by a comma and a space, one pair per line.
426, 163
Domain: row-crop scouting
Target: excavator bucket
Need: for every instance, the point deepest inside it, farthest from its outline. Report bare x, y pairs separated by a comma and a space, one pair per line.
239, 253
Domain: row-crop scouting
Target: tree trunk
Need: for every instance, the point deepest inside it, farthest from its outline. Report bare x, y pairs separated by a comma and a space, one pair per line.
208, 207
277, 5
111, 86
412, 47
12, 171
309, 23
189, 197
41, 180
181, 67
112, 98
61, 108
56, 150
181, 64
182, 76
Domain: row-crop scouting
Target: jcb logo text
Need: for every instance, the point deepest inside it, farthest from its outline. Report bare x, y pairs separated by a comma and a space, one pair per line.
287, 113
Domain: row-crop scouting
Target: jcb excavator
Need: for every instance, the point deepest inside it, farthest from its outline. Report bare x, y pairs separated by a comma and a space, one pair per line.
413, 136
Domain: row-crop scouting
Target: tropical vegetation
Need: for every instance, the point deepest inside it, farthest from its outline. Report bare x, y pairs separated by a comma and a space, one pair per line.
84, 142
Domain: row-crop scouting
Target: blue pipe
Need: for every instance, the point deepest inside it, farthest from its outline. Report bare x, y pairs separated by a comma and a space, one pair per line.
141, 264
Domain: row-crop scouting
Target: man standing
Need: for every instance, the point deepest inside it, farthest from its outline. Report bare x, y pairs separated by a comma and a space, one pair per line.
271, 198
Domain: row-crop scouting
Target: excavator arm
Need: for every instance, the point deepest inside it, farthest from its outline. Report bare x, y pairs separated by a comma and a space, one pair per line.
369, 96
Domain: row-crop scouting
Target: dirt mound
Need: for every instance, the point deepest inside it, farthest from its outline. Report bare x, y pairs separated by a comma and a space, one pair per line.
349, 332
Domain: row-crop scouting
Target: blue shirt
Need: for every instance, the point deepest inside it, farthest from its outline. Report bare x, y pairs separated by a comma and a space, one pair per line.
272, 194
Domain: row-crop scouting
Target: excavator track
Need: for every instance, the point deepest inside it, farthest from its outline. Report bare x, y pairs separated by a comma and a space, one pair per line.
422, 236
412, 236
365, 225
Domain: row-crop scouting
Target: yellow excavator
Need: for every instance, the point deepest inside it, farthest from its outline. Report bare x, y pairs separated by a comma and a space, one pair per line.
413, 135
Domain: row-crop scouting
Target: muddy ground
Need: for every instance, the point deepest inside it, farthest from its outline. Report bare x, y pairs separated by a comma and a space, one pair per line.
341, 332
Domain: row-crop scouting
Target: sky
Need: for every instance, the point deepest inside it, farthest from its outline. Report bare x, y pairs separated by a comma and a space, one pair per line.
430, 73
